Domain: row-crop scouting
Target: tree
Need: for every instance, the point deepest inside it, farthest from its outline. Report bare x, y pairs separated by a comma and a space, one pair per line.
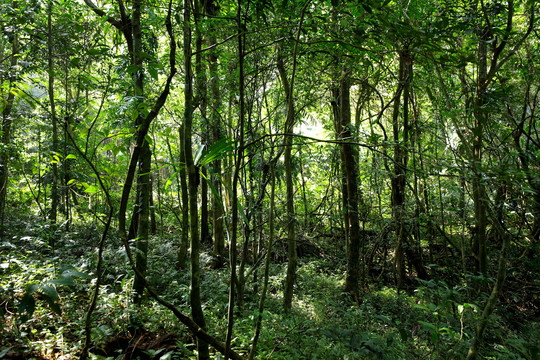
7, 102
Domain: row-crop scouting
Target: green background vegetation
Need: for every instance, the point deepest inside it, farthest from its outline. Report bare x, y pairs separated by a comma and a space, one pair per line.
269, 179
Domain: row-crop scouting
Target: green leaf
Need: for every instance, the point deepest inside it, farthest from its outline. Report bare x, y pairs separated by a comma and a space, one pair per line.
217, 151
170, 180
71, 156
91, 189
404, 333
76, 273
199, 155
75, 61
423, 307
153, 73
28, 305
63, 281
384, 318
95, 51
4, 352
50, 292
108, 146
54, 306
428, 326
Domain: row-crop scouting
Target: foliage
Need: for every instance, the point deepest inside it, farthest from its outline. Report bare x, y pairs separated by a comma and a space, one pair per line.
446, 152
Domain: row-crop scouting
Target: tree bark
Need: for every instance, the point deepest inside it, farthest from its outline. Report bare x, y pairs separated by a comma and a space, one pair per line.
351, 173
478, 186
193, 183
215, 120
399, 179
240, 27
201, 95
184, 242
145, 159
291, 221
258, 323
50, 60
7, 120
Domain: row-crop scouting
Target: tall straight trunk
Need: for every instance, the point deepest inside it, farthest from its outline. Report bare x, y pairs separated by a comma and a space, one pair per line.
336, 111
399, 178
145, 158
66, 191
6, 129
54, 120
184, 242
215, 120
201, 94
483, 321
258, 323
478, 186
193, 182
351, 171
288, 87
238, 163
291, 221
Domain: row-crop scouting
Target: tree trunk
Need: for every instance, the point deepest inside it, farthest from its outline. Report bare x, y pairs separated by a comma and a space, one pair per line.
193, 183
54, 120
216, 135
399, 180
238, 163
145, 159
184, 243
291, 221
201, 94
532, 179
351, 173
258, 323
7, 120
478, 186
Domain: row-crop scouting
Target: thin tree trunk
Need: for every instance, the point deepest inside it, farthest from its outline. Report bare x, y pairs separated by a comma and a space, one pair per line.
238, 163
478, 186
184, 242
216, 132
201, 94
349, 155
7, 121
145, 159
291, 221
268, 259
193, 182
289, 126
495, 292
54, 120
399, 179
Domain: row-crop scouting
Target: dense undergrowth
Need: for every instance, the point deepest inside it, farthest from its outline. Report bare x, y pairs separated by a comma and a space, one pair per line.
45, 287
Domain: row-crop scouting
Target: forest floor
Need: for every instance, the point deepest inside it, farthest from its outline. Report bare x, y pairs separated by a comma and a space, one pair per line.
45, 289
